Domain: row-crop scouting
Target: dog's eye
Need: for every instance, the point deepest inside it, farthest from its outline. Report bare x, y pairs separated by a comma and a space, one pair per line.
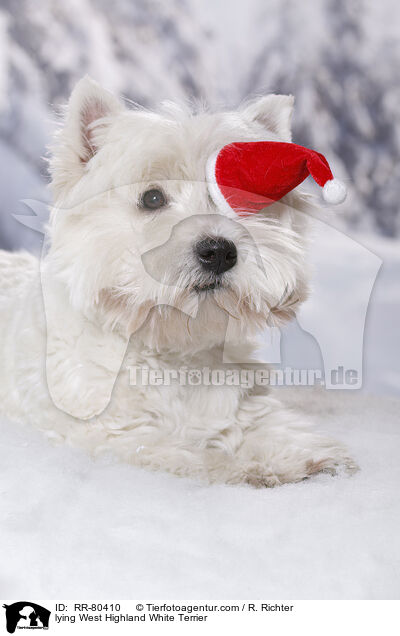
153, 199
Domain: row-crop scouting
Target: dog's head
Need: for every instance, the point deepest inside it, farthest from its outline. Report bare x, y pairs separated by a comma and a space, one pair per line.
136, 238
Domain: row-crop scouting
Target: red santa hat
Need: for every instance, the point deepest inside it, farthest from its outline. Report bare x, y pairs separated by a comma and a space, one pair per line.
249, 176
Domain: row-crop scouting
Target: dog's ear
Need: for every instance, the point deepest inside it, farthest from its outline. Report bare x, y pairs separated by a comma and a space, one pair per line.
274, 112
88, 115
82, 359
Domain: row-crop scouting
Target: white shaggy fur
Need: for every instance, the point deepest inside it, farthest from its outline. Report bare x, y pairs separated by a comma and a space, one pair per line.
119, 287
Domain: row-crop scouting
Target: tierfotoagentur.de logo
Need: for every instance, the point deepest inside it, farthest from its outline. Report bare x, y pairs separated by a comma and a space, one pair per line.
26, 615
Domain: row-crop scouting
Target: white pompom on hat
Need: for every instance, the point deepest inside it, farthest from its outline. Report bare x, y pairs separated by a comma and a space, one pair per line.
334, 192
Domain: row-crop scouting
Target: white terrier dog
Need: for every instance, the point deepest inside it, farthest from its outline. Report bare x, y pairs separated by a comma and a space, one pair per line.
142, 270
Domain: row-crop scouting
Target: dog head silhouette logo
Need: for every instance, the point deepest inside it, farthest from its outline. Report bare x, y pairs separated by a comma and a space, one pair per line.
26, 615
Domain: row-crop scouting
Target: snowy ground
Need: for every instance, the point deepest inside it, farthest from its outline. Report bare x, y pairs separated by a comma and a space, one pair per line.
73, 528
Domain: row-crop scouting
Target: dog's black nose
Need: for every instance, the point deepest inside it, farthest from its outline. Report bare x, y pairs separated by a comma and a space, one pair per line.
216, 255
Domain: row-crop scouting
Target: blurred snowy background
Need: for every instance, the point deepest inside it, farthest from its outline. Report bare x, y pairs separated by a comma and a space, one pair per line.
340, 58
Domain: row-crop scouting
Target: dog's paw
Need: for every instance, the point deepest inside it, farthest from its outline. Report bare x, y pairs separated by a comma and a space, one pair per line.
260, 477
332, 465
298, 467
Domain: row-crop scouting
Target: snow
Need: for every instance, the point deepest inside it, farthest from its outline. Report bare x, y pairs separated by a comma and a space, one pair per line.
78, 528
